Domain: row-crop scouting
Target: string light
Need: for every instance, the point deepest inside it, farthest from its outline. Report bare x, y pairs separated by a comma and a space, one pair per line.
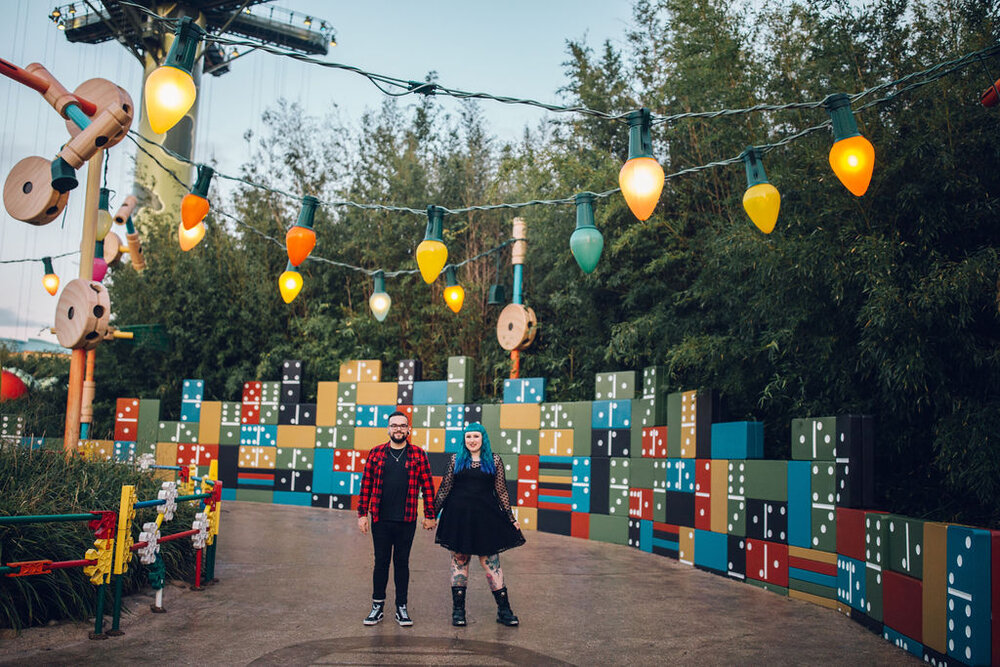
587, 242
454, 294
50, 280
432, 253
100, 268
852, 157
290, 283
301, 238
189, 238
104, 219
762, 200
194, 205
379, 301
641, 177
170, 91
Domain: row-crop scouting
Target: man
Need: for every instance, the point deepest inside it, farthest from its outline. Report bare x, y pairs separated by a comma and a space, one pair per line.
395, 474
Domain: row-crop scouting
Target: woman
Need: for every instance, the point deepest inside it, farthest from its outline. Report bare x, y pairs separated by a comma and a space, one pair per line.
476, 519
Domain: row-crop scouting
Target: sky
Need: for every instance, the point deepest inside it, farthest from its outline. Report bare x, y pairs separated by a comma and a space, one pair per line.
515, 48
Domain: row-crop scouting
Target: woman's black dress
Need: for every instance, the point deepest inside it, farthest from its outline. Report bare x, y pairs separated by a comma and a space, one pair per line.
474, 519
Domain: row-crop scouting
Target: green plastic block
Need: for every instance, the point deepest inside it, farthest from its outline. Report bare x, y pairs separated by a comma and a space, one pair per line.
255, 495
766, 480
814, 439
290, 458
613, 529
906, 546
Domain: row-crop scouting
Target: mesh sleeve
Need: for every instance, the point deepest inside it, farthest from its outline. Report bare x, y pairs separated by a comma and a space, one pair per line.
445, 488
501, 487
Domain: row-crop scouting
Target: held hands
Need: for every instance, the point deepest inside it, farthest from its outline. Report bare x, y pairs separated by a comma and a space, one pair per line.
517, 525
429, 524
363, 524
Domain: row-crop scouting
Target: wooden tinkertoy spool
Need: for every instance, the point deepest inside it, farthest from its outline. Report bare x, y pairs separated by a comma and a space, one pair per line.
113, 249
28, 194
516, 327
83, 314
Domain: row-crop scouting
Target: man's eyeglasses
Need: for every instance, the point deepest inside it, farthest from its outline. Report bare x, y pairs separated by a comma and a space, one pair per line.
399, 427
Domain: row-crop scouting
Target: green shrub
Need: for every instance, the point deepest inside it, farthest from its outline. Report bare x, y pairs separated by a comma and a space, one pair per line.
48, 482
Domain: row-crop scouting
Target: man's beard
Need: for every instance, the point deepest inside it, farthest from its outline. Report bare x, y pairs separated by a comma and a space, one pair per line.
398, 438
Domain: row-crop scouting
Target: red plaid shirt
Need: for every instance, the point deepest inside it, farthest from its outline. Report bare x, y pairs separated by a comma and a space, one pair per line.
420, 480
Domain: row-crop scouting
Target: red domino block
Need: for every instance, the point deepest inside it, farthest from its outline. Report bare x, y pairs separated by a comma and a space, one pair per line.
654, 442
556, 493
579, 525
348, 460
527, 467
200, 455
250, 410
249, 414
126, 419
640, 504
355, 500
527, 493
903, 604
703, 494
851, 533
767, 561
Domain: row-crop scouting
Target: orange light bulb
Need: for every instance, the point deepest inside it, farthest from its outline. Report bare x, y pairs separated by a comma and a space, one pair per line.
641, 180
299, 241
454, 296
51, 283
189, 238
194, 208
853, 160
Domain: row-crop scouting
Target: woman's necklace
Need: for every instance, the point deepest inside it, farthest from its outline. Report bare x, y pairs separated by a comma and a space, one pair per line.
396, 458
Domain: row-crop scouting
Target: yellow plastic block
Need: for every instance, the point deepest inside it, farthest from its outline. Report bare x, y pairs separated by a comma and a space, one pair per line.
376, 393
123, 540
720, 495
366, 437
251, 456
527, 517
521, 415
210, 422
365, 370
689, 422
555, 442
326, 404
428, 439
296, 437
166, 454
685, 553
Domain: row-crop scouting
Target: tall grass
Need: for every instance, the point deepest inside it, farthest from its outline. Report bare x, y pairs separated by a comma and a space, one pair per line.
48, 482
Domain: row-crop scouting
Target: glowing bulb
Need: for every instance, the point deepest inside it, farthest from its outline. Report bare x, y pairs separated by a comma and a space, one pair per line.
189, 238
761, 200
50, 280
432, 253
170, 91
454, 294
852, 157
641, 177
586, 242
301, 239
290, 283
194, 205
379, 301
104, 219
100, 267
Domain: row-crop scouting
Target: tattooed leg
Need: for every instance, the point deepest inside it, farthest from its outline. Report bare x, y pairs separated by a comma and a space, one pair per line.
460, 569
494, 575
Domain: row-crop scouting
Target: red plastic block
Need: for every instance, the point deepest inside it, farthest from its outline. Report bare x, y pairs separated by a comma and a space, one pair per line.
348, 460
851, 533
703, 494
580, 525
767, 561
527, 493
527, 468
640, 504
126, 419
200, 455
903, 604
250, 410
654, 442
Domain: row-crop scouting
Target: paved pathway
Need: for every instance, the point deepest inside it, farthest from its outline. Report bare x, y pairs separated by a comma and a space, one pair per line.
295, 584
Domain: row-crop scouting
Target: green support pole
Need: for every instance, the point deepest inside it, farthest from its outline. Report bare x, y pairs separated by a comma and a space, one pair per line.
211, 561
99, 621
116, 613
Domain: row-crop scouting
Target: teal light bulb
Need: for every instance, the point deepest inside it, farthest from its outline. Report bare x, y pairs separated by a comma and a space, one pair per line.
587, 242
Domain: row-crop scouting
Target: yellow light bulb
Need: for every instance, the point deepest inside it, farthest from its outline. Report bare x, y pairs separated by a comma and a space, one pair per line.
380, 302
641, 180
454, 296
51, 283
104, 223
169, 93
189, 238
853, 160
431, 258
290, 284
762, 202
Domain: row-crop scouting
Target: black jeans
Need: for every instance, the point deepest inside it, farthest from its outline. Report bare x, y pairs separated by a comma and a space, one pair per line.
392, 540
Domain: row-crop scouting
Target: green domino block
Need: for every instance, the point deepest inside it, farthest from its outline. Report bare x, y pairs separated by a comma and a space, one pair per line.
491, 422
229, 428
814, 439
290, 458
823, 481
765, 480
654, 384
148, 426
345, 415
674, 402
736, 519
269, 414
460, 371
510, 467
824, 528
873, 592
343, 437
347, 392
522, 441
255, 495
813, 589
582, 440
876, 538
188, 432
643, 473
780, 590
649, 412
635, 442
605, 528
906, 546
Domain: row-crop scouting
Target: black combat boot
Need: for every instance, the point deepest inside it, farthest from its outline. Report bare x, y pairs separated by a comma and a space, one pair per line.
458, 605
504, 614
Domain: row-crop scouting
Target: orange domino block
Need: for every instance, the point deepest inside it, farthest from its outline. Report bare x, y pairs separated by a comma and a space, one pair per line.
935, 586
326, 404
520, 415
527, 517
166, 454
720, 497
252, 456
210, 422
365, 370
685, 552
555, 442
366, 437
295, 437
428, 439
376, 393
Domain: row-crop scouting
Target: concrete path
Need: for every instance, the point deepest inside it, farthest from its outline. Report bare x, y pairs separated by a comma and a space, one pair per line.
295, 584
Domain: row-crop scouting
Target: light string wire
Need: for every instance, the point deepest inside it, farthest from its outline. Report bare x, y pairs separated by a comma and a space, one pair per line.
39, 259
407, 87
277, 242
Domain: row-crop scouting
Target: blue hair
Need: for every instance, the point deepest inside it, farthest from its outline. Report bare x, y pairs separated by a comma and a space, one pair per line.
463, 459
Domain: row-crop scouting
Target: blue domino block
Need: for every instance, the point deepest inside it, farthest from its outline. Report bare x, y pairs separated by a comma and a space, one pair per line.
323, 471
646, 535
455, 417
345, 483
454, 440
524, 390
190, 411
581, 484
611, 414
800, 504
851, 582
680, 475
902, 641
828, 580
259, 435
738, 440
124, 450
968, 609
193, 390
228, 493
292, 498
373, 416
711, 550
430, 392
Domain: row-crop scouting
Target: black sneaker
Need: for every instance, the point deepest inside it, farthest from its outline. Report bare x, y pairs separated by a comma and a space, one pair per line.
402, 617
375, 615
